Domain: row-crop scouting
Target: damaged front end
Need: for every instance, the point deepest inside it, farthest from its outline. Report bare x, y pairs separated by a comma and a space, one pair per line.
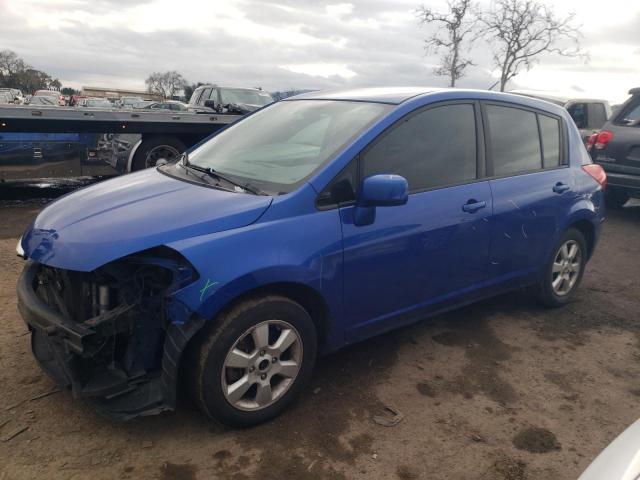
115, 334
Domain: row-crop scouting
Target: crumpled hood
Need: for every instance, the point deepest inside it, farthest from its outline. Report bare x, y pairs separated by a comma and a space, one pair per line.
93, 226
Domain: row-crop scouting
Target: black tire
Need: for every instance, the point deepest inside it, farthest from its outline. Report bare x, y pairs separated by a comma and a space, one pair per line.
546, 292
172, 146
209, 354
616, 198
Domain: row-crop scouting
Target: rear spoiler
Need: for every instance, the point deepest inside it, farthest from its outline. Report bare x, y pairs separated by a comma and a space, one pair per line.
634, 91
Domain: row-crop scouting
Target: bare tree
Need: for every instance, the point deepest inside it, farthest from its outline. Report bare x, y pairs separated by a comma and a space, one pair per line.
10, 63
521, 30
166, 84
453, 27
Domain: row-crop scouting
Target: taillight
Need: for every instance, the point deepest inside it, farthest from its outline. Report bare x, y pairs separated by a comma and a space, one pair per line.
599, 140
597, 173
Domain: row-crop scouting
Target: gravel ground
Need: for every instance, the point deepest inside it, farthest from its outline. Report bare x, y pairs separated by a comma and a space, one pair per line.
502, 390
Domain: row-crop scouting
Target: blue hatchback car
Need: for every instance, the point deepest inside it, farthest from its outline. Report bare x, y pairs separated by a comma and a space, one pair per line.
310, 224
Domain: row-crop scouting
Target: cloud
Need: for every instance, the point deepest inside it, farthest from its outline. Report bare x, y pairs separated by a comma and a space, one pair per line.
276, 45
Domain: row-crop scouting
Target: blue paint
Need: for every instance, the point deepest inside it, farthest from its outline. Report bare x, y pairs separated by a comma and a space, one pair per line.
411, 260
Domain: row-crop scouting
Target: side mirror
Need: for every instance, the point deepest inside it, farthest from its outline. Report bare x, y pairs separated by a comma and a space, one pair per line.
210, 104
379, 191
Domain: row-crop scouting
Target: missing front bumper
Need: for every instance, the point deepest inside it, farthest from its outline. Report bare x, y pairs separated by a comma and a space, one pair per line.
69, 353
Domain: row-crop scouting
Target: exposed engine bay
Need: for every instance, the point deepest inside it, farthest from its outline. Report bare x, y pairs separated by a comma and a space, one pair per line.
109, 334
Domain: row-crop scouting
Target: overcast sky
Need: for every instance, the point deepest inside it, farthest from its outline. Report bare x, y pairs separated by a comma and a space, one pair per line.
294, 43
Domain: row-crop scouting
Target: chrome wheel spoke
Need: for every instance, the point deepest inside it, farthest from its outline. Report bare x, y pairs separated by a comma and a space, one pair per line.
264, 394
238, 359
260, 335
557, 267
285, 340
288, 368
573, 251
556, 282
236, 390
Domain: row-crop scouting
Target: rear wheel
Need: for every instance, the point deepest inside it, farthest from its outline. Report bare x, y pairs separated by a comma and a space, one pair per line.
616, 198
255, 361
564, 270
154, 149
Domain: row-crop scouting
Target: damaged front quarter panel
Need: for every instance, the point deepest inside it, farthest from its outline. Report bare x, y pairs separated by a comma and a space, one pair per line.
115, 334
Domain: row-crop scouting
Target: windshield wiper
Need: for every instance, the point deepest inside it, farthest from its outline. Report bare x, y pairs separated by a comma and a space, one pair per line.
215, 174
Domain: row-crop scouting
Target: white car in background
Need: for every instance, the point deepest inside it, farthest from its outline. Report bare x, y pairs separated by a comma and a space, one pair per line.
620, 460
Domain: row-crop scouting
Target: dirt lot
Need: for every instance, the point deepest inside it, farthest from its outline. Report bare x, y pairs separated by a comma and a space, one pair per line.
502, 390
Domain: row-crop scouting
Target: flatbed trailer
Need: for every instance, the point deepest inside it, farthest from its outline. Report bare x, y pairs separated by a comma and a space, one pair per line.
64, 142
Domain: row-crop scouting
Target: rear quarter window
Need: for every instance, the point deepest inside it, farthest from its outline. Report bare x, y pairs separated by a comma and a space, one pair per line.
550, 135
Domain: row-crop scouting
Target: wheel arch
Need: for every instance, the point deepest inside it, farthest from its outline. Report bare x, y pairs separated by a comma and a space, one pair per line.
305, 295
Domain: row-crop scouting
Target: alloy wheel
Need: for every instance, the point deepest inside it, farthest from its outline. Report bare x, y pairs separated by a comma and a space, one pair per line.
262, 365
566, 267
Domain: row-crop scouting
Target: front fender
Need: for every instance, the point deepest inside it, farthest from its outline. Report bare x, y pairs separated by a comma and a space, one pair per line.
304, 249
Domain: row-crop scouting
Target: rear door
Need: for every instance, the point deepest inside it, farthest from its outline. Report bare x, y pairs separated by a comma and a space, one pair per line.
434, 247
532, 187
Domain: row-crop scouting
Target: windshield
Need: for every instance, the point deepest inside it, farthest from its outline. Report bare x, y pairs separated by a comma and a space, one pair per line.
279, 147
241, 95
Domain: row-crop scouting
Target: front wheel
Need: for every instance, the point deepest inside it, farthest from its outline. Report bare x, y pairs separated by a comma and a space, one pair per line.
255, 361
564, 270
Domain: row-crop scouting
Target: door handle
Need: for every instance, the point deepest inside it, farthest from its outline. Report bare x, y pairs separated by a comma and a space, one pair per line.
472, 206
561, 187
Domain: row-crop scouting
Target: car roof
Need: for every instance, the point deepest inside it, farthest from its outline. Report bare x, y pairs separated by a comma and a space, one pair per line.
234, 88
556, 97
400, 95
393, 95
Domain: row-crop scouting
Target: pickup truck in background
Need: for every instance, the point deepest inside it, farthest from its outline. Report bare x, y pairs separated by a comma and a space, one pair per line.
589, 114
66, 142
229, 99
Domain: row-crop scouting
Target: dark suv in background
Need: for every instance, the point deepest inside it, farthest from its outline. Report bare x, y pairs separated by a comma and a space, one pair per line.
617, 148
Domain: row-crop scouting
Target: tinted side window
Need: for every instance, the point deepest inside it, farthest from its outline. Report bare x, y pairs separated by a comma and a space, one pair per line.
514, 140
432, 148
550, 131
578, 112
205, 96
630, 116
597, 116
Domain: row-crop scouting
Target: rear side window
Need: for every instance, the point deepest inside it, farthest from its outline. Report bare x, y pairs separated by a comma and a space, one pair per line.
514, 140
578, 112
550, 134
597, 116
432, 148
630, 116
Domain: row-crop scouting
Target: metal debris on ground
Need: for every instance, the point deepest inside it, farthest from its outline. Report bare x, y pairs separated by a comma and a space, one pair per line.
391, 417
